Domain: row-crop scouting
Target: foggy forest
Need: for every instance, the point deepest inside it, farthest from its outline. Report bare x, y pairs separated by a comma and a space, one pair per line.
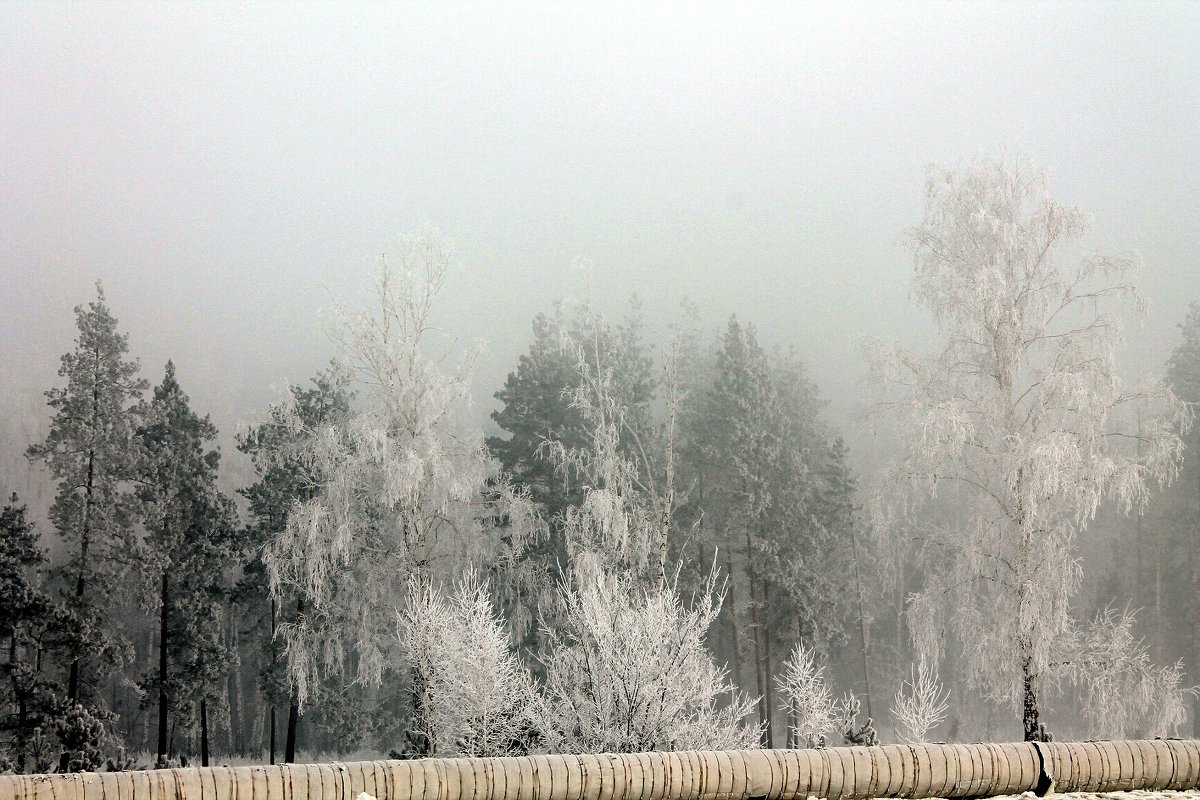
385, 385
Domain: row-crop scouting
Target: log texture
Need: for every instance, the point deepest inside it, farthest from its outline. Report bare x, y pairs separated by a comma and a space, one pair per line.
935, 770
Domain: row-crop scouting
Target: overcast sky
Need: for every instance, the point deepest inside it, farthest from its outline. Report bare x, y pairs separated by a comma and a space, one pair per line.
224, 169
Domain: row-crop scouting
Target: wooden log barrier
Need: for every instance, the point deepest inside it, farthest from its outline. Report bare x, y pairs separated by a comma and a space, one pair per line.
934, 770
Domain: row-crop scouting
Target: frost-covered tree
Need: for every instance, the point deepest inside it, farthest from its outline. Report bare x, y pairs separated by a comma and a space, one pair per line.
619, 514
1020, 418
402, 493
1121, 693
853, 732
836, 511
628, 670
1183, 367
626, 665
89, 453
920, 704
539, 398
277, 448
542, 418
477, 694
812, 713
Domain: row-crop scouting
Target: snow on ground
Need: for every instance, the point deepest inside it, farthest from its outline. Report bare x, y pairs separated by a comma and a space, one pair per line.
1138, 794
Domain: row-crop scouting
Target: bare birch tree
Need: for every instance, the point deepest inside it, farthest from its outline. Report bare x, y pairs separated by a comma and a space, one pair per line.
1021, 418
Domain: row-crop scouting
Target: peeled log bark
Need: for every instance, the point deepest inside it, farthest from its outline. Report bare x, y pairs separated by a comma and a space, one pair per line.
947, 770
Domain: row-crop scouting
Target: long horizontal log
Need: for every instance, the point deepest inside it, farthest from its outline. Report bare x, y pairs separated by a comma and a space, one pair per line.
936, 770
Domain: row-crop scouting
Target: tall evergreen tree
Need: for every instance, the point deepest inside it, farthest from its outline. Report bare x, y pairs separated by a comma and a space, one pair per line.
539, 397
810, 513
724, 440
763, 498
188, 525
88, 452
537, 408
33, 625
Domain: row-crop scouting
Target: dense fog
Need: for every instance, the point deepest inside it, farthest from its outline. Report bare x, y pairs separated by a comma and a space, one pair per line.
233, 175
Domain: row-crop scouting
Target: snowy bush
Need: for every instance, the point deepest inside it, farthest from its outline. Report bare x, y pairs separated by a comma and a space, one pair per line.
853, 733
627, 668
920, 705
475, 692
806, 698
1122, 694
629, 672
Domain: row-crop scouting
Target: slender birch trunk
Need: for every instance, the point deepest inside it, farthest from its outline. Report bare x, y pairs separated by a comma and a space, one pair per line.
862, 622
759, 675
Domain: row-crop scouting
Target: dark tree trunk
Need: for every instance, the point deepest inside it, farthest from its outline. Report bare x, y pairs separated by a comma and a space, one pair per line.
163, 699
204, 732
1196, 606
764, 713
1029, 717
85, 534
418, 735
271, 699
289, 753
22, 706
767, 670
733, 629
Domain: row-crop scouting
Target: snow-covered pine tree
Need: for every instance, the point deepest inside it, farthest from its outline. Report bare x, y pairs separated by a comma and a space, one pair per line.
189, 530
540, 416
32, 623
772, 508
89, 452
727, 445
1018, 418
